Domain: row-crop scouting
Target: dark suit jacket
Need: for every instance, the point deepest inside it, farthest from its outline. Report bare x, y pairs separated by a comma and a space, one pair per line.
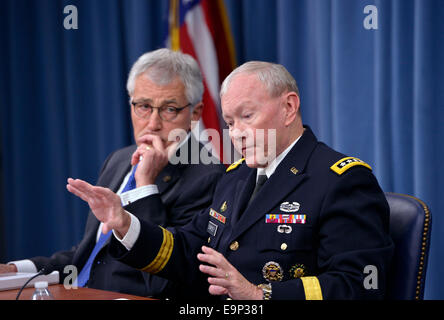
184, 190
311, 230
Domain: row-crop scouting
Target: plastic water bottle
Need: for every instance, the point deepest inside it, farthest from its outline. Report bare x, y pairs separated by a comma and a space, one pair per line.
41, 291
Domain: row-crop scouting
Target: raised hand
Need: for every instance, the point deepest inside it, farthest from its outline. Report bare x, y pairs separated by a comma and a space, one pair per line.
105, 204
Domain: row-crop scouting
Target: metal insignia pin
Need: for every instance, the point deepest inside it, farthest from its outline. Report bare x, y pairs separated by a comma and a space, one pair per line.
294, 170
272, 271
289, 206
223, 207
297, 271
283, 228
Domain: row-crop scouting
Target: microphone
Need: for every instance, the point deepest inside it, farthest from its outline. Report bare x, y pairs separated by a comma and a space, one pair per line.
43, 271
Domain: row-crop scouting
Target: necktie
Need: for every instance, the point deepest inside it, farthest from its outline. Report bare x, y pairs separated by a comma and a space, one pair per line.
83, 277
259, 183
131, 184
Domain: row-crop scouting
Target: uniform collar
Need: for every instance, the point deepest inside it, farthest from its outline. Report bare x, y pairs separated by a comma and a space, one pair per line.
269, 170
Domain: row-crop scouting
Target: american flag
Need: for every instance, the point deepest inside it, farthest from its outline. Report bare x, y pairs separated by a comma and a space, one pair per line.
201, 29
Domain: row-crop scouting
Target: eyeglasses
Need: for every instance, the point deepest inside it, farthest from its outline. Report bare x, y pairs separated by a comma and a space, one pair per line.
166, 112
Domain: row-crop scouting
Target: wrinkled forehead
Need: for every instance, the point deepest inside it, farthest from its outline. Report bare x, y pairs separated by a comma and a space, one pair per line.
243, 90
147, 88
244, 87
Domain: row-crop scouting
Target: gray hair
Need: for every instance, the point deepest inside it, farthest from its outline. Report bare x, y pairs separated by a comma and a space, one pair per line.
274, 76
162, 66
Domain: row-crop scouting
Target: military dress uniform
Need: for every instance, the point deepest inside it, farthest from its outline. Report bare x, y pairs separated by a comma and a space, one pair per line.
310, 231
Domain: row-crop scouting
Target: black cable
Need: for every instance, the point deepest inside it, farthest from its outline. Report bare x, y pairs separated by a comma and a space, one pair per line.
45, 270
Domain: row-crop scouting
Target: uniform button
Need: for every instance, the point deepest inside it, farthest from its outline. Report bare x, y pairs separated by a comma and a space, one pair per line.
234, 245
284, 246
209, 239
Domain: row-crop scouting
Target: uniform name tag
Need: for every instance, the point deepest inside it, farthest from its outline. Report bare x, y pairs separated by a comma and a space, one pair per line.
212, 228
285, 218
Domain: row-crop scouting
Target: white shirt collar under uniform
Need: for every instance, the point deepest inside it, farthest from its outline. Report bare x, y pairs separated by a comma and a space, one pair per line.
269, 170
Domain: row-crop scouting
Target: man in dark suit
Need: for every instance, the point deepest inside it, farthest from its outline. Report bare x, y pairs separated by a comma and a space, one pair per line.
293, 219
165, 90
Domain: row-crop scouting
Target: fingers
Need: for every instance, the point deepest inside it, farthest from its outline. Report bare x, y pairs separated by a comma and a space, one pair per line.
146, 139
220, 266
140, 152
220, 281
220, 269
105, 228
88, 192
77, 192
147, 143
7, 268
81, 185
158, 143
217, 290
79, 188
153, 140
213, 257
212, 271
135, 158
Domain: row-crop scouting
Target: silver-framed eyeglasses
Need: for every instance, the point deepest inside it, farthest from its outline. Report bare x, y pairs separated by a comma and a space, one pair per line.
166, 112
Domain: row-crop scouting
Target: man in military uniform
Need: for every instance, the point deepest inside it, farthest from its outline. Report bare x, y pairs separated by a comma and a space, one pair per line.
293, 219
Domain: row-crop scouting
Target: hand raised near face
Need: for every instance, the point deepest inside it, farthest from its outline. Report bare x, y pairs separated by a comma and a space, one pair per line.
151, 156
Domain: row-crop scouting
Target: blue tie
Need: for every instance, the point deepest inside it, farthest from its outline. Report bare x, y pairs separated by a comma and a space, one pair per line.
131, 184
83, 277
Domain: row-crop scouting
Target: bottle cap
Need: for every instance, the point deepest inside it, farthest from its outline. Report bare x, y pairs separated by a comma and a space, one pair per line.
41, 284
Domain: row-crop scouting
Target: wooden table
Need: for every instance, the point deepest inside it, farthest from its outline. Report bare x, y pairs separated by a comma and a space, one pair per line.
60, 293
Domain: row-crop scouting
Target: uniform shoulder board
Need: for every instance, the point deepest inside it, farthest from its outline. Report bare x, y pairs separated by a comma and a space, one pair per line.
234, 165
346, 163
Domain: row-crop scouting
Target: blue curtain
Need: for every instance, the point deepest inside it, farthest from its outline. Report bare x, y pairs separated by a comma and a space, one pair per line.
64, 108
375, 94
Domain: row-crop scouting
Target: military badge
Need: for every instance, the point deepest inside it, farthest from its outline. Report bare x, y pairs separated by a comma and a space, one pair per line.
212, 228
297, 271
223, 207
289, 207
217, 215
272, 271
283, 228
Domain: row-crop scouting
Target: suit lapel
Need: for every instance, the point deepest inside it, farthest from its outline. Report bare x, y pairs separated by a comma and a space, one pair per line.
289, 174
167, 177
172, 172
117, 174
244, 189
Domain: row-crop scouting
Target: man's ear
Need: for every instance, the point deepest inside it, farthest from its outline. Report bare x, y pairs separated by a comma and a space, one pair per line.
291, 105
197, 112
